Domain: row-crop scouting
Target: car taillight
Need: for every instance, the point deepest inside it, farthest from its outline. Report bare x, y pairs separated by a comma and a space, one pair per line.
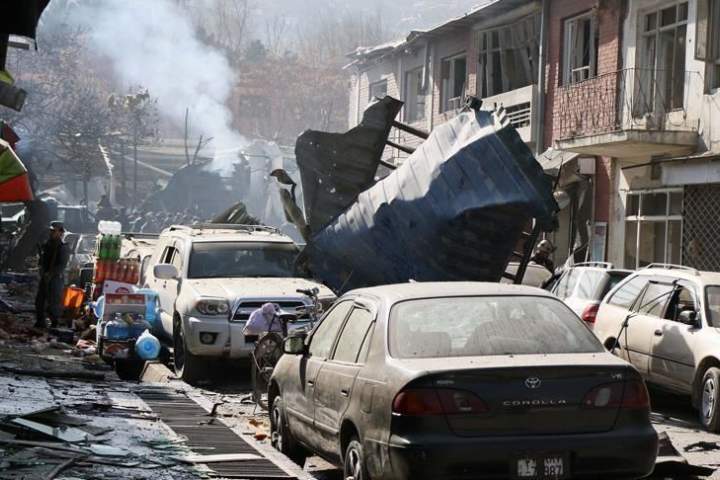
628, 395
427, 401
590, 313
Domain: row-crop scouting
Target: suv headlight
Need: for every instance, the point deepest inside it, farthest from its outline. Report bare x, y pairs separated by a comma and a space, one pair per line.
212, 307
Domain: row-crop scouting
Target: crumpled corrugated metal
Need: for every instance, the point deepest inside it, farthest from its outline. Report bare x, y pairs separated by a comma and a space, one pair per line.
454, 210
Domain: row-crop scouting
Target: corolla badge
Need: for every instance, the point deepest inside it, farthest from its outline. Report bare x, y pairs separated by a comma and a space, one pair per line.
533, 383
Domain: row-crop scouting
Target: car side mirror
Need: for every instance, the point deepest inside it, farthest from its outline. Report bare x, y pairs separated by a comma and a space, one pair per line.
295, 344
688, 317
165, 271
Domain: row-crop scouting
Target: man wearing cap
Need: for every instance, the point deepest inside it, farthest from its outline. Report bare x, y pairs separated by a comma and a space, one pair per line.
542, 255
53, 260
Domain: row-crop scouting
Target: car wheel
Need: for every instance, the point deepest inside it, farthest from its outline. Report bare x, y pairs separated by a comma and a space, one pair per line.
354, 462
710, 400
280, 436
190, 368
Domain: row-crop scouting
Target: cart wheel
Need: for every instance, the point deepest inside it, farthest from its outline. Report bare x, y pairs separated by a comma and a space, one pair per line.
129, 370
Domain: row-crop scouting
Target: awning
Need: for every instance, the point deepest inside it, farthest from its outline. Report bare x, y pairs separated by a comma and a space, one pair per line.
692, 170
14, 180
552, 159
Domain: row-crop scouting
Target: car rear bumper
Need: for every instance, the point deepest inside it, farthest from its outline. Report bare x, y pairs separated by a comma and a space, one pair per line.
625, 453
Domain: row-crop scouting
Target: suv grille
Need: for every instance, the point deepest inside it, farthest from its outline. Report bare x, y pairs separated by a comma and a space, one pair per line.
242, 314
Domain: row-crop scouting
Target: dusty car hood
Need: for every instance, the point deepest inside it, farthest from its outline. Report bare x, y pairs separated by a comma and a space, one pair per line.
233, 288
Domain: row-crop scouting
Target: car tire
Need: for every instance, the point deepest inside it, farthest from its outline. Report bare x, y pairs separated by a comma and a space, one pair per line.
354, 467
188, 367
710, 400
280, 436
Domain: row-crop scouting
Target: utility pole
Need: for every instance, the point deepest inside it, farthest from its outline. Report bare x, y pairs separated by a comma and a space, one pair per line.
135, 158
123, 172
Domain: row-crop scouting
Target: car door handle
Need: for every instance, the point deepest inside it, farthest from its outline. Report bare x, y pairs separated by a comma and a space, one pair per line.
310, 383
344, 393
658, 333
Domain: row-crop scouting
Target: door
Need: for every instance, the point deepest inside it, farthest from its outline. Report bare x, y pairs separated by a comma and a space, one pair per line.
168, 289
673, 361
334, 386
299, 389
639, 334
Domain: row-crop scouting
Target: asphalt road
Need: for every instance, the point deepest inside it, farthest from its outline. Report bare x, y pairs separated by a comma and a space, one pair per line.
671, 414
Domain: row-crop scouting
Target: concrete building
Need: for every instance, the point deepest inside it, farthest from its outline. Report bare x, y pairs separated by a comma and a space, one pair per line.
624, 110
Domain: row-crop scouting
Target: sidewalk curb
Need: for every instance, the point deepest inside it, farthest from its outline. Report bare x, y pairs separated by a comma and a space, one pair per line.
156, 373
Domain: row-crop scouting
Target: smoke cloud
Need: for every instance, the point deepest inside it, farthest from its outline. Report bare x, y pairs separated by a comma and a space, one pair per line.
153, 44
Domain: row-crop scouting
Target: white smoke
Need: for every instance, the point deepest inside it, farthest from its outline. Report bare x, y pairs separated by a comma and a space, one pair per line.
153, 44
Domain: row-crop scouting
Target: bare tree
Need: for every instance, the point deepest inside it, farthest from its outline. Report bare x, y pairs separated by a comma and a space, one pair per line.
276, 29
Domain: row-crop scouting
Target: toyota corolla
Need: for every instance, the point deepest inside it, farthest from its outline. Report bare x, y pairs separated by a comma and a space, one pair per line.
460, 381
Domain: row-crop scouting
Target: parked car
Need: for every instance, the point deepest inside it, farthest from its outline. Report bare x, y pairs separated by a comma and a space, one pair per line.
82, 250
672, 335
459, 380
583, 286
210, 278
535, 275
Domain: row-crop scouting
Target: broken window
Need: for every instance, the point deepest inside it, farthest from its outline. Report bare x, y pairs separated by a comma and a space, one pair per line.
453, 72
581, 49
378, 90
661, 60
508, 57
707, 45
415, 96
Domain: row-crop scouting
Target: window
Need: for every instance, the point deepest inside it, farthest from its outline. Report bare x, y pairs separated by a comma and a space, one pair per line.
654, 299
661, 60
378, 90
177, 259
653, 228
478, 326
352, 336
415, 96
707, 39
589, 284
453, 72
508, 57
581, 49
324, 336
682, 301
712, 294
242, 259
566, 285
625, 296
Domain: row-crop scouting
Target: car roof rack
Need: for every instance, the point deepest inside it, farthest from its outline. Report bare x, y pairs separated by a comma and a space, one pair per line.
607, 265
226, 226
671, 266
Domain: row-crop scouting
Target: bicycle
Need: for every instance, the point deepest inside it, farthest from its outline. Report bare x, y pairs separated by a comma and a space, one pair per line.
269, 346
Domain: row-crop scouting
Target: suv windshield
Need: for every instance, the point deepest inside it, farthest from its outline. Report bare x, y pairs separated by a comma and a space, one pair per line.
713, 301
469, 326
242, 259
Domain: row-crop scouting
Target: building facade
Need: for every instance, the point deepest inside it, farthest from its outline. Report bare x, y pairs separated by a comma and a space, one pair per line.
619, 98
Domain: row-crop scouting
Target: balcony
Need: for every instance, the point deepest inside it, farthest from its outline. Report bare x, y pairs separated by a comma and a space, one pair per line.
519, 105
629, 113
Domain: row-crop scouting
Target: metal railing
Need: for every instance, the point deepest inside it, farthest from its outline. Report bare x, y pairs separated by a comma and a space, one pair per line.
633, 98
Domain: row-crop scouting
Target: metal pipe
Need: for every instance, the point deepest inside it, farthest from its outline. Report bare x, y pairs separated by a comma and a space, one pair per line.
402, 148
411, 130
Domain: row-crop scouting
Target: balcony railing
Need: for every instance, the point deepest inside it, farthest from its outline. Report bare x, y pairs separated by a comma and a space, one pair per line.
633, 98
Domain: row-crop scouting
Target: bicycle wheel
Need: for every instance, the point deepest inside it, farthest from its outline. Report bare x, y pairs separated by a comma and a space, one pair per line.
268, 351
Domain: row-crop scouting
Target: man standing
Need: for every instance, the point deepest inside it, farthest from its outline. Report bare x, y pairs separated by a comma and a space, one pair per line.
53, 260
542, 255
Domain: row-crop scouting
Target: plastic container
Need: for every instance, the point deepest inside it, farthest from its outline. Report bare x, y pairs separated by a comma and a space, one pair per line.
138, 326
73, 297
151, 304
99, 307
117, 329
147, 346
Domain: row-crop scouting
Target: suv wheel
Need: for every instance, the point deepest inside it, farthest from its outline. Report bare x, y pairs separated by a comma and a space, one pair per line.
710, 400
280, 435
189, 367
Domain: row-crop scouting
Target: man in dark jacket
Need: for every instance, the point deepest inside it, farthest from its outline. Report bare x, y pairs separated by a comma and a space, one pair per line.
53, 260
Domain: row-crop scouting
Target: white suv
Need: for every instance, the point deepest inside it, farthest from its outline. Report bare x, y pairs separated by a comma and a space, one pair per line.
209, 278
665, 320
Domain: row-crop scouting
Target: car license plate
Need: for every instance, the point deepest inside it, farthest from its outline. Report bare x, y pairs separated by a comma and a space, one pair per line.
545, 467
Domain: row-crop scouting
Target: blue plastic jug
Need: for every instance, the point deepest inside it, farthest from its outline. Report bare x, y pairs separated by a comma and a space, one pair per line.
147, 346
117, 329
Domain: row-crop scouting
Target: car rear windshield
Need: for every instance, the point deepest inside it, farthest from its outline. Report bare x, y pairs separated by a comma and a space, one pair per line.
713, 301
242, 259
499, 325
